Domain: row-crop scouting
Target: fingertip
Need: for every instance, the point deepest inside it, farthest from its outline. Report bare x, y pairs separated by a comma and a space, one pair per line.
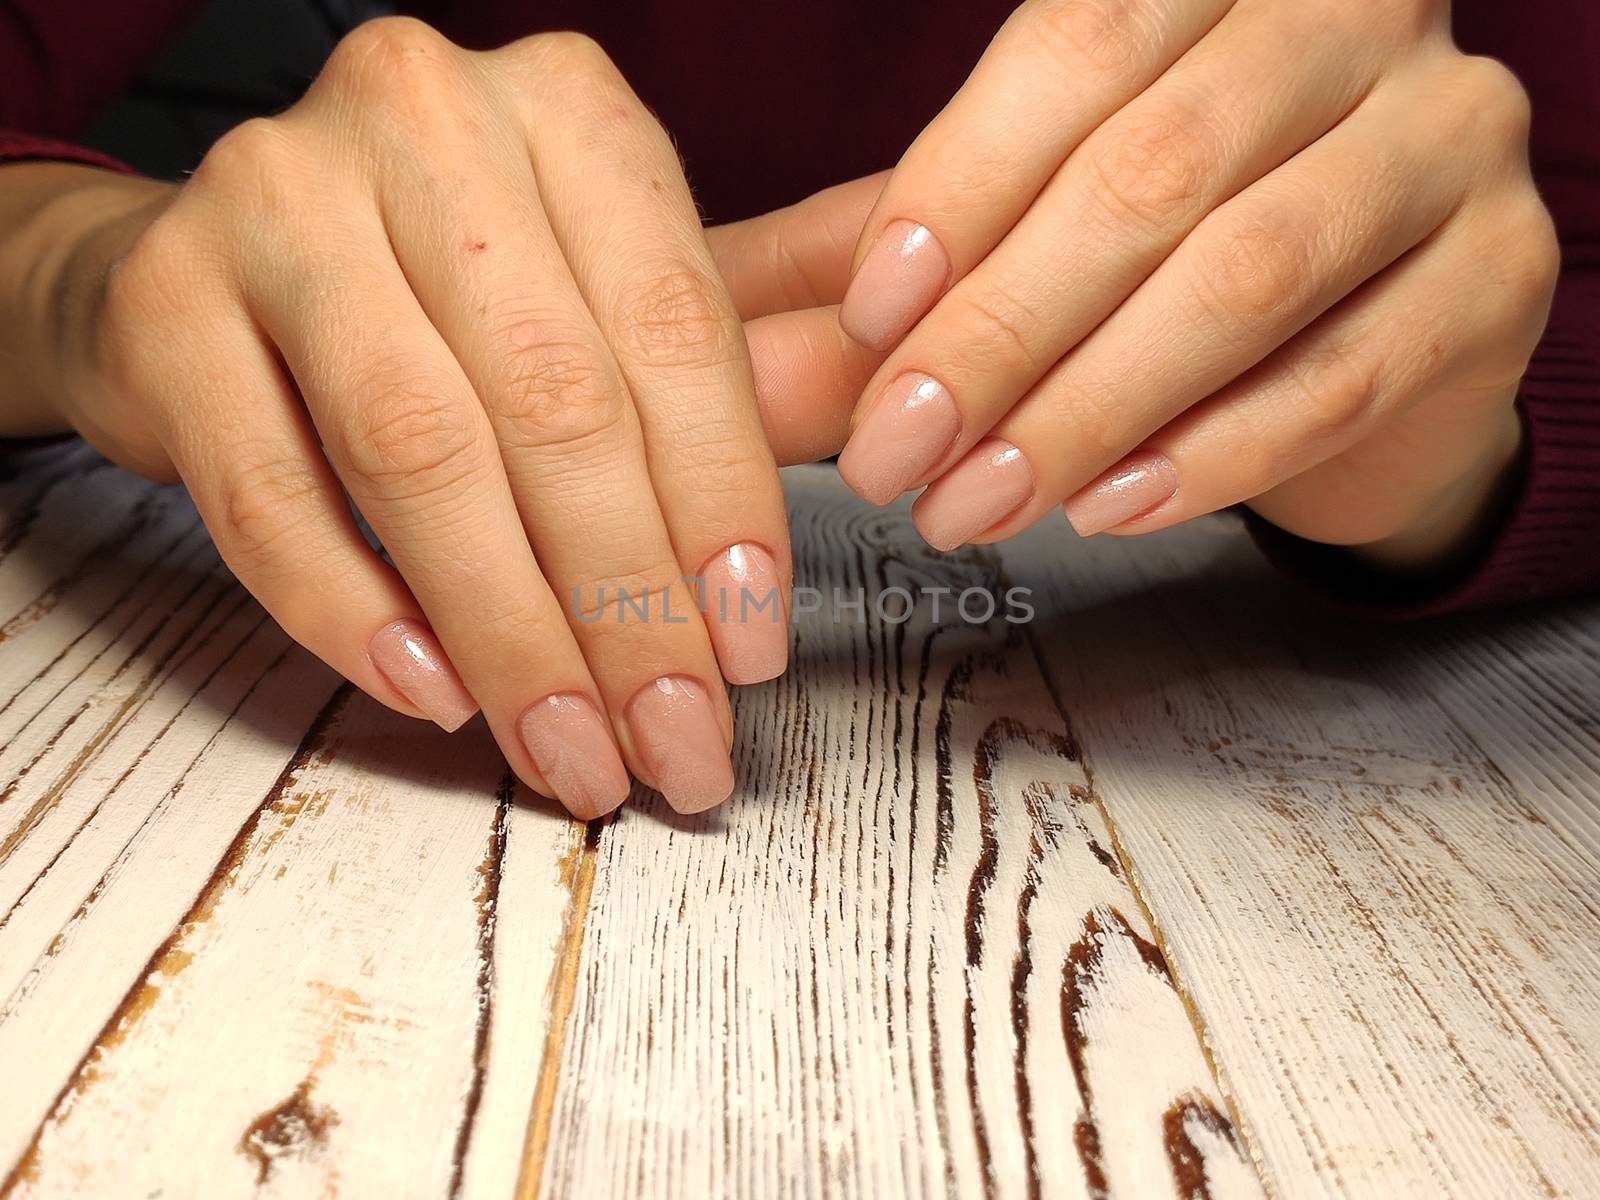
411, 660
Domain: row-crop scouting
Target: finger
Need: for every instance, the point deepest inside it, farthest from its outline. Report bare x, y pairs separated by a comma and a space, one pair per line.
411, 442
280, 520
796, 257
487, 270
1254, 272
649, 279
1054, 72
807, 373
1411, 333
1138, 185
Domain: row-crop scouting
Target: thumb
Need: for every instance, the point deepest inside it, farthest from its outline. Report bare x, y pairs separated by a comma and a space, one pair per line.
795, 257
808, 377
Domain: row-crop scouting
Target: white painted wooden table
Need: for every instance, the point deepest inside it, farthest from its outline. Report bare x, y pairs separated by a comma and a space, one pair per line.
1185, 889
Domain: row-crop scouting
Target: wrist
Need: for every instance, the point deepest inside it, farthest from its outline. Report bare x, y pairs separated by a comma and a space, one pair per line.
61, 228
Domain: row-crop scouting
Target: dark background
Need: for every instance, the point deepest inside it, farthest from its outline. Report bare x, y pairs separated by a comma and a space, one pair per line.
239, 59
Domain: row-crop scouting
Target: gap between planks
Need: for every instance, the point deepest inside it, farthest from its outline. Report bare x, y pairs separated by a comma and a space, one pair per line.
137, 999
563, 990
1136, 886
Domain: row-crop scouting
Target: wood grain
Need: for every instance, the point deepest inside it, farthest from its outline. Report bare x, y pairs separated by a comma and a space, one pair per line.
258, 934
1183, 889
1371, 853
904, 960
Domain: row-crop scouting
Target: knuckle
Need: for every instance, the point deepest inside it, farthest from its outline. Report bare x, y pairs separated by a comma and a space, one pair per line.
151, 287
1531, 262
1152, 166
998, 331
264, 509
579, 81
558, 392
137, 285
1334, 392
1402, 21
572, 51
405, 440
393, 57
673, 319
731, 465
1541, 264
384, 42
1256, 266
1098, 34
1094, 411
256, 158
629, 591
1493, 99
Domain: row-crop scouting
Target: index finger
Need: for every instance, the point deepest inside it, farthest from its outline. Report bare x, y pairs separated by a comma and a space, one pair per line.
975, 169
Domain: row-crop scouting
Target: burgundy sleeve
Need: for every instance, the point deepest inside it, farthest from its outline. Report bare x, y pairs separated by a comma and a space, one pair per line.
1548, 541
62, 60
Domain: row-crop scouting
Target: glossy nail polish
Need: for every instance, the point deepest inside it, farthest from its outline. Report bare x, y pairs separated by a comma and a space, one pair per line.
1134, 486
410, 657
570, 743
899, 280
676, 732
974, 495
742, 601
908, 429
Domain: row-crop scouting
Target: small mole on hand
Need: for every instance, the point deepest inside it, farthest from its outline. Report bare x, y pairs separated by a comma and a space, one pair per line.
477, 247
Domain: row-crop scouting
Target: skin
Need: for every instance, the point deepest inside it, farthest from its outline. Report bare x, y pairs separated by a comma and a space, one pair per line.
1308, 278
470, 290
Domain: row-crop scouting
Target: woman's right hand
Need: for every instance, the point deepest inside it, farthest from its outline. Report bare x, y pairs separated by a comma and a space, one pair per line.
472, 291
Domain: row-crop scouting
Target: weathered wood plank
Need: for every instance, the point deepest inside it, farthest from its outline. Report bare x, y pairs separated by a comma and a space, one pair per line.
904, 961
257, 933
1370, 850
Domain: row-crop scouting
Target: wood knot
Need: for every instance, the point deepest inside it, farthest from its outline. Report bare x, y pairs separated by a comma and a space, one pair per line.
297, 1127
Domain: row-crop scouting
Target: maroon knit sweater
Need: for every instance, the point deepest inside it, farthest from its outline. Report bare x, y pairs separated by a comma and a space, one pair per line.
770, 102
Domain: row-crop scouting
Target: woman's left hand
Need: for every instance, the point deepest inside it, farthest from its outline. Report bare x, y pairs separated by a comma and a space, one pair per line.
1162, 256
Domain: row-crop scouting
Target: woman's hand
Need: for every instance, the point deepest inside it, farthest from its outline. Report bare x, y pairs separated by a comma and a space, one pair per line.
472, 291
1161, 256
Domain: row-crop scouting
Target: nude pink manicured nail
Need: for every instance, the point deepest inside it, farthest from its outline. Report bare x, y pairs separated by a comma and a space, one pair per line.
974, 495
677, 734
569, 742
900, 278
410, 657
1134, 486
743, 607
906, 431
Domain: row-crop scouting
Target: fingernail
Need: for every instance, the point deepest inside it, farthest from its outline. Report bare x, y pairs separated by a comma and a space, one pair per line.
677, 734
567, 739
410, 657
990, 483
906, 431
900, 278
743, 605
1134, 486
